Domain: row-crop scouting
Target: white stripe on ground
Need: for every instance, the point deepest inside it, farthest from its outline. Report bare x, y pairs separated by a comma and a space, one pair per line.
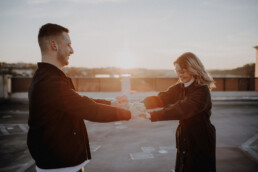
18, 111
141, 155
147, 149
250, 141
11, 168
7, 116
94, 148
248, 148
25, 166
23, 127
5, 127
3, 130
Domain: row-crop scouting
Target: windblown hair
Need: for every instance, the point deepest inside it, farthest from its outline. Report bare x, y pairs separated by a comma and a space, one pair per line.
193, 64
49, 30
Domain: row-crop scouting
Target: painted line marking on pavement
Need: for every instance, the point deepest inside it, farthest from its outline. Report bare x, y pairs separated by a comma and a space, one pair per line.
121, 127
11, 167
8, 129
118, 123
7, 116
248, 148
250, 141
94, 148
18, 111
26, 166
167, 148
3, 130
252, 153
163, 151
23, 127
141, 155
148, 149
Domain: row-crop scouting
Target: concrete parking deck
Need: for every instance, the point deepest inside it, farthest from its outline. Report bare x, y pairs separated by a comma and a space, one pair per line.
139, 145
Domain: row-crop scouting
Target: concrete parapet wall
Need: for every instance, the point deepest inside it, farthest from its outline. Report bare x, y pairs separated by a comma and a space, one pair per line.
151, 84
231, 84
164, 83
137, 96
256, 84
140, 84
220, 84
97, 84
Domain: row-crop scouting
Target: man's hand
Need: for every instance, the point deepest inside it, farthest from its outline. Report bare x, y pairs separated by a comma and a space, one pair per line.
121, 102
122, 99
138, 110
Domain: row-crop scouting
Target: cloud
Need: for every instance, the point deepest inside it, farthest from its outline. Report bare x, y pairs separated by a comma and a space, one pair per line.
75, 1
97, 1
38, 1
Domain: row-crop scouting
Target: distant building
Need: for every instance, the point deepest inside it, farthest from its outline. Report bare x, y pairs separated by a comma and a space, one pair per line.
23, 72
17, 69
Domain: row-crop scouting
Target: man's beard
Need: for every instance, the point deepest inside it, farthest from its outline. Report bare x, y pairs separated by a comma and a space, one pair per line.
62, 58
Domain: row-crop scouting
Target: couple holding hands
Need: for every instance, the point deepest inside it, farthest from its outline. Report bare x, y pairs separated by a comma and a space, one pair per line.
57, 137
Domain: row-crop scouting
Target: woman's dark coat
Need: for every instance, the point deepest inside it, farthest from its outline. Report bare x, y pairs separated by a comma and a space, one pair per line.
195, 135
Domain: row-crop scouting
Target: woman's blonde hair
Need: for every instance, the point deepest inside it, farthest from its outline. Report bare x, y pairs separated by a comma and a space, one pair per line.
193, 64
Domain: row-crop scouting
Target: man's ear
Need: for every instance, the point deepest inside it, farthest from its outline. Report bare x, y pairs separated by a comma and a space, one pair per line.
53, 45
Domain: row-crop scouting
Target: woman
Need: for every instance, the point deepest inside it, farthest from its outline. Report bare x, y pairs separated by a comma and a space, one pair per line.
189, 101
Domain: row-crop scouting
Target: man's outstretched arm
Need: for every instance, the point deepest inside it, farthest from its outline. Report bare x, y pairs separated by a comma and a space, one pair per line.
71, 103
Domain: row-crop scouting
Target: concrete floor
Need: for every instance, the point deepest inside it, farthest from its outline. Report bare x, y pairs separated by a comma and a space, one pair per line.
139, 145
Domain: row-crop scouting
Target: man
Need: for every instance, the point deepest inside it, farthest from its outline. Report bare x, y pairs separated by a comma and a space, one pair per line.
57, 136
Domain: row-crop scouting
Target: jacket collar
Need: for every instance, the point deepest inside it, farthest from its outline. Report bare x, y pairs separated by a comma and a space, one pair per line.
189, 83
52, 68
191, 86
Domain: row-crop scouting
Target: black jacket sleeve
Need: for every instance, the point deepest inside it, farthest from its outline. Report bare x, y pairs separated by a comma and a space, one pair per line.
199, 100
102, 101
65, 99
169, 96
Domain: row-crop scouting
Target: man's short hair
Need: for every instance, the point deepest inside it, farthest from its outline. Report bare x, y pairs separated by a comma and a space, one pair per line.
48, 30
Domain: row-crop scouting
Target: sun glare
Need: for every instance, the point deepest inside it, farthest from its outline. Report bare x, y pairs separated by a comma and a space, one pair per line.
126, 60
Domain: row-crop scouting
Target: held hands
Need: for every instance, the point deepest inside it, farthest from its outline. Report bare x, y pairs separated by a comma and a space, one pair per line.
137, 109
121, 102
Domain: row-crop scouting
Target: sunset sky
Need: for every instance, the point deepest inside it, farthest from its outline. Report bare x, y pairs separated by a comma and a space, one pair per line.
135, 33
